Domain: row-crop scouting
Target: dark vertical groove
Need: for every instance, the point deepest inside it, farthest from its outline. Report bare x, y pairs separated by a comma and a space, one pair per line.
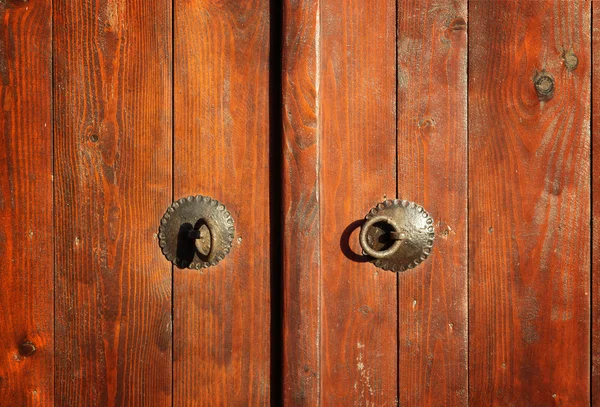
397, 197
52, 148
276, 199
591, 179
397, 101
467, 214
172, 196
319, 188
320, 207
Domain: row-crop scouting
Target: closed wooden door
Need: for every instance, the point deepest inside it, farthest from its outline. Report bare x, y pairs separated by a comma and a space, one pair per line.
112, 110
490, 132
299, 117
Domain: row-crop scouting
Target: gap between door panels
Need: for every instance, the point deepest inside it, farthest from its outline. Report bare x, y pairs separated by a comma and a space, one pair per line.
276, 200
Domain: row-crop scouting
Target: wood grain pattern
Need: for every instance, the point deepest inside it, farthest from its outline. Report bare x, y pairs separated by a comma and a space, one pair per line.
595, 356
357, 125
301, 220
26, 231
112, 86
432, 170
529, 194
222, 314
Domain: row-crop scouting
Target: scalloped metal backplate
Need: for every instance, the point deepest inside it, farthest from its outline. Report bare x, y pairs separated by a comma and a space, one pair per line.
186, 214
416, 224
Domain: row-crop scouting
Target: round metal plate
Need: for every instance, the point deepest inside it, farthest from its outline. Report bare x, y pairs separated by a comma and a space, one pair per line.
416, 228
187, 214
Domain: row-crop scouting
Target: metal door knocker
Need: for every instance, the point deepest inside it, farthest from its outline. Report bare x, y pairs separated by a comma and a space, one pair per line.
196, 232
397, 234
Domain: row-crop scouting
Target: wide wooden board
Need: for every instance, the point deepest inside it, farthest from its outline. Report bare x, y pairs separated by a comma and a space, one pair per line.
301, 213
529, 203
432, 171
26, 230
222, 315
357, 170
113, 139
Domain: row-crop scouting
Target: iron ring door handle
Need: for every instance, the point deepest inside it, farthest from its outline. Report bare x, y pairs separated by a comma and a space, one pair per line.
196, 232
204, 239
397, 235
380, 254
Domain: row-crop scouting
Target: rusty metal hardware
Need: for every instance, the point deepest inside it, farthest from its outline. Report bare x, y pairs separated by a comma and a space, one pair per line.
397, 234
196, 232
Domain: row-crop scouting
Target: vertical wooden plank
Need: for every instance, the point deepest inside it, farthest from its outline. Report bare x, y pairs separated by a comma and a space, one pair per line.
595, 359
222, 314
112, 62
357, 125
432, 170
529, 194
26, 231
301, 220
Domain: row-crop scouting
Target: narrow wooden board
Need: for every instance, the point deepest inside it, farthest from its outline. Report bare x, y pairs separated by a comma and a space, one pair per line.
529, 204
595, 359
301, 212
26, 230
113, 138
432, 171
222, 314
357, 132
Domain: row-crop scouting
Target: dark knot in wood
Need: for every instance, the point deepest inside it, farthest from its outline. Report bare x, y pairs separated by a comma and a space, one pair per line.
544, 86
27, 348
570, 60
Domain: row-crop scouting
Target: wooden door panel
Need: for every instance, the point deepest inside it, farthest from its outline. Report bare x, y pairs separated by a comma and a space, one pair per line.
357, 125
339, 123
222, 314
301, 257
529, 211
338, 310
112, 109
432, 170
112, 92
26, 230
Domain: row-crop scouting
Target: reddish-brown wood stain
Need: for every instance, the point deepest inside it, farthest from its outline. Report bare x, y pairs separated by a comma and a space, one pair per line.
301, 213
26, 234
112, 182
432, 163
112, 109
529, 204
221, 315
357, 131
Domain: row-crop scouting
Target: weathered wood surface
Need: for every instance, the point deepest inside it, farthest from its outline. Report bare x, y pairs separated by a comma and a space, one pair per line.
26, 231
362, 122
357, 130
529, 203
222, 314
432, 170
301, 213
112, 89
